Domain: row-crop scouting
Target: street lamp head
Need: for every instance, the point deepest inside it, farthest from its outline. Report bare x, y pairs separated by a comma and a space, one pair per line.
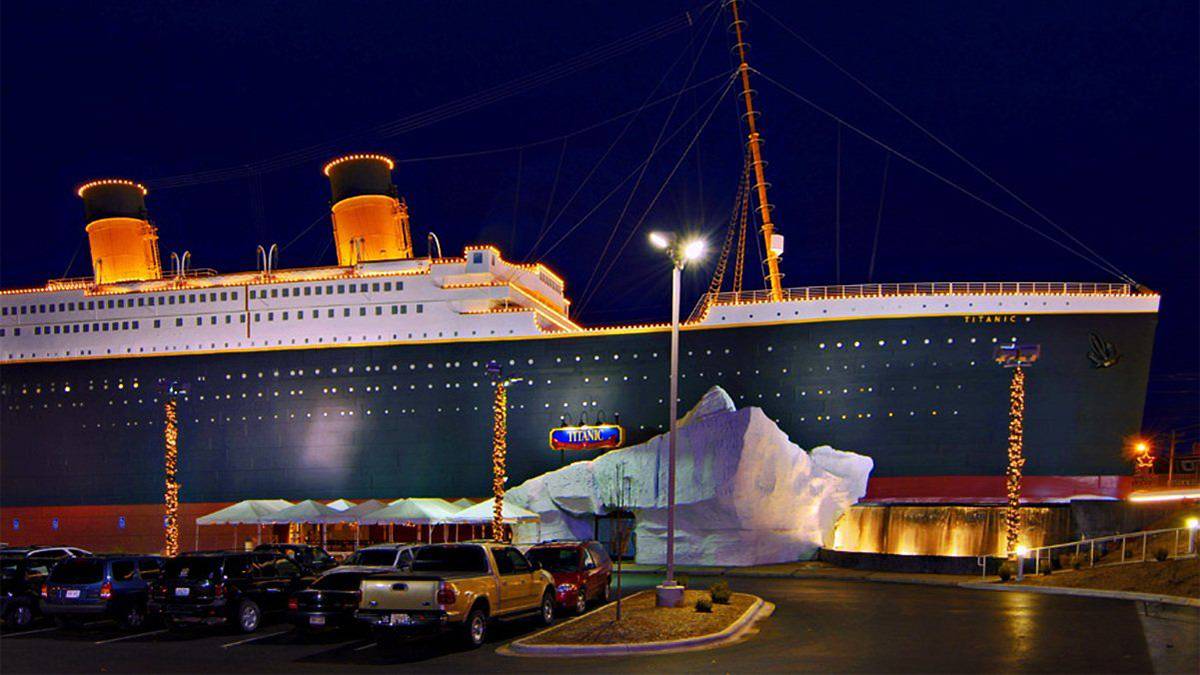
1022, 551
694, 249
1142, 447
1193, 523
660, 240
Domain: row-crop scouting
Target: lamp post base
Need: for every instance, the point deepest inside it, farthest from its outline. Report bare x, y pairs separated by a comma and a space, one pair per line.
668, 596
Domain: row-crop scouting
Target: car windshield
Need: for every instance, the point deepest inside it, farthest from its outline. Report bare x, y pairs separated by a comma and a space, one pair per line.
381, 557
557, 559
192, 568
450, 559
78, 571
339, 581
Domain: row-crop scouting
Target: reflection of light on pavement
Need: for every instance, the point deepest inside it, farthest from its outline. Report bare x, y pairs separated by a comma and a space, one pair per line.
1020, 628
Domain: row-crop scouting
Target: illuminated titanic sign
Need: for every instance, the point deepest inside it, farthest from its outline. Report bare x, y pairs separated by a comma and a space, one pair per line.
587, 437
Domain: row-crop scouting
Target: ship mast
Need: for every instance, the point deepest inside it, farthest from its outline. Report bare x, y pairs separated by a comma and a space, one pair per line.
774, 245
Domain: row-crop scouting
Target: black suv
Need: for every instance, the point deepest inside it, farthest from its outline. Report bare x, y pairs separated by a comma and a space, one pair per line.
232, 587
312, 559
109, 586
20, 588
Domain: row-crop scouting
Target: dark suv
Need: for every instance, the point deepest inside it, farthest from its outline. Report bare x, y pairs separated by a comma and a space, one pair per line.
312, 559
226, 587
111, 586
21, 587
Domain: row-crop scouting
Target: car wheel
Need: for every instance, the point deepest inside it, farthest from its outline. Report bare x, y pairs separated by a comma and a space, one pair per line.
133, 617
475, 628
248, 616
580, 601
20, 616
546, 615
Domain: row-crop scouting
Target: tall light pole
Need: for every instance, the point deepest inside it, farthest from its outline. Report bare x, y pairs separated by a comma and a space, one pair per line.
669, 594
1017, 358
499, 445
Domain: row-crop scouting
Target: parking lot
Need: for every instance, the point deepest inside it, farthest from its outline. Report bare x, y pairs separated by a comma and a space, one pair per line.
819, 626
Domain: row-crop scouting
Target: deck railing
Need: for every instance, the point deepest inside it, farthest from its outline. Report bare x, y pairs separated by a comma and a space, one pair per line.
1134, 547
914, 288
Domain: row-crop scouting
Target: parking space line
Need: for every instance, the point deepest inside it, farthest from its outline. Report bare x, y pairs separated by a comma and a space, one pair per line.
29, 632
366, 646
257, 637
130, 637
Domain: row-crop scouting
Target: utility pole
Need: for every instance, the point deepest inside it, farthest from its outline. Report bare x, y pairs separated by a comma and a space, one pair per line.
1171, 462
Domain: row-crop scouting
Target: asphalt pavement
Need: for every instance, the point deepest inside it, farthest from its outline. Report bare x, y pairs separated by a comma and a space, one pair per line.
818, 626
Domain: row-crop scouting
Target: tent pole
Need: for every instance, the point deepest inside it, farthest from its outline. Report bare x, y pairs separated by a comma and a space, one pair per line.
235, 535
260, 533
196, 546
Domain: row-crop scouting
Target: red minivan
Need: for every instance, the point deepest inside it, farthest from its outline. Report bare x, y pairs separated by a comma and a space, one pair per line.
582, 571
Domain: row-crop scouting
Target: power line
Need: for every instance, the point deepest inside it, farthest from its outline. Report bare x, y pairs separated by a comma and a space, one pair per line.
936, 175
443, 111
1108, 266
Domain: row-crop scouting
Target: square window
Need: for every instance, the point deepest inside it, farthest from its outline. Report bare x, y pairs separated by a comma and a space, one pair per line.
161, 300
135, 325
285, 316
96, 328
253, 293
257, 317
234, 295
57, 330
37, 330
362, 311
404, 309
157, 324
346, 311
274, 292
387, 285
319, 288
270, 316
285, 292
228, 318
171, 300
375, 286
212, 320
62, 307
199, 321
192, 298
70, 307
341, 288
420, 309
353, 288
212, 297
330, 314
308, 290
51, 309
241, 318
395, 309
224, 295
378, 310
141, 302
300, 314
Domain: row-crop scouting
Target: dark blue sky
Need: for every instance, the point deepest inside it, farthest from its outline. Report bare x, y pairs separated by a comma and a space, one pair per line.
1087, 110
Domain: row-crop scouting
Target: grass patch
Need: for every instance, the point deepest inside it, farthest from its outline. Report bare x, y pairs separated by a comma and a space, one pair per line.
642, 622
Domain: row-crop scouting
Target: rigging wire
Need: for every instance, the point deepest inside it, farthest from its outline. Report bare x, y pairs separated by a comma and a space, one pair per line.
512, 238
718, 278
562, 154
441, 112
936, 175
837, 211
628, 125
663, 187
595, 207
78, 248
740, 268
1107, 265
304, 231
587, 288
887, 161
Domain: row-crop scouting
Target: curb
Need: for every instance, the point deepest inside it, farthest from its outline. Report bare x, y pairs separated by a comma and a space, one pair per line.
758, 609
1086, 593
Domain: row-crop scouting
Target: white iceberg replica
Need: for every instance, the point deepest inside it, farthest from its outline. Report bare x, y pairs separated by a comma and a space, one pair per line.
745, 494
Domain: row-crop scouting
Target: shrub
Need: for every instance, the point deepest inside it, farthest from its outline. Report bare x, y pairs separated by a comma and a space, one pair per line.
1007, 570
704, 605
1160, 554
720, 592
1077, 561
1128, 553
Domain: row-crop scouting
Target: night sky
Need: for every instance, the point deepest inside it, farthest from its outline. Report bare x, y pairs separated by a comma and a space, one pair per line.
1086, 110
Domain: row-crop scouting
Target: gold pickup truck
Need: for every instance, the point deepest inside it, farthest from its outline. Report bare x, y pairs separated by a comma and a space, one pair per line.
459, 587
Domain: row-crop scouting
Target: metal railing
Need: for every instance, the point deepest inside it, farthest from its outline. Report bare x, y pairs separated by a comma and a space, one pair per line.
914, 288
1134, 547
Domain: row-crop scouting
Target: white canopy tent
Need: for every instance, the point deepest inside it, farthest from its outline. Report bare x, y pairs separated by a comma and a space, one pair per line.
307, 512
482, 513
246, 512
340, 504
428, 511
